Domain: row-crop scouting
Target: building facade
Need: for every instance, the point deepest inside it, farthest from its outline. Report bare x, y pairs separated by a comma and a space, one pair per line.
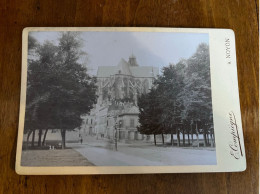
118, 90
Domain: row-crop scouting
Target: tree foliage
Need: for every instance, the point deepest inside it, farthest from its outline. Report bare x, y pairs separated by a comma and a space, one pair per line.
197, 91
149, 110
59, 90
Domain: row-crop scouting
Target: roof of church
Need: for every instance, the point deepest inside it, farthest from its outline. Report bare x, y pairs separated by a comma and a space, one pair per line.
106, 71
144, 71
125, 68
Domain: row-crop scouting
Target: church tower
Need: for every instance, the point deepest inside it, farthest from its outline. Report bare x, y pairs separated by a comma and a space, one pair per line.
132, 61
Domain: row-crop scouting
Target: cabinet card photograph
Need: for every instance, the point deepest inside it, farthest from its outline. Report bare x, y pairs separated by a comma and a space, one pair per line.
129, 100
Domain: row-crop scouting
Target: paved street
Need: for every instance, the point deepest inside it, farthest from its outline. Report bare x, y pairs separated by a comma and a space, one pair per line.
102, 153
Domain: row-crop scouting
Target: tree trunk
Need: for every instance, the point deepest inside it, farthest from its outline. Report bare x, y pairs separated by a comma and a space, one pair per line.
63, 135
33, 137
205, 138
40, 138
211, 139
28, 136
178, 138
162, 139
171, 138
197, 134
191, 135
188, 137
183, 137
44, 137
154, 139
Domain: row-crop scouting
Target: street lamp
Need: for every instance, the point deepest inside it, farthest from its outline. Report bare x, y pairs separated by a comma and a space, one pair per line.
117, 128
116, 132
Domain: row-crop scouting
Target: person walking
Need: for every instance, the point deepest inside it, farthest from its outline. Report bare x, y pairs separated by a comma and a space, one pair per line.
81, 140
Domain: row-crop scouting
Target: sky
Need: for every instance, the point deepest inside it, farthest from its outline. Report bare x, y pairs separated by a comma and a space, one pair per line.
156, 49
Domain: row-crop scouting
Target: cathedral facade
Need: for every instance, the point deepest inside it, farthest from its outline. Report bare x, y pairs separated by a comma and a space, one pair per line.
118, 90
125, 81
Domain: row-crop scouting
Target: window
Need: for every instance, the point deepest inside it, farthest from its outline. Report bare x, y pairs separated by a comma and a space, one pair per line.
132, 123
91, 121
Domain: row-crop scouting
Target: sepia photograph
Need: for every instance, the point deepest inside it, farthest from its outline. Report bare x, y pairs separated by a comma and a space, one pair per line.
118, 98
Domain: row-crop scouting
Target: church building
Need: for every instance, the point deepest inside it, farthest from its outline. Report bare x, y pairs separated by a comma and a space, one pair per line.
118, 90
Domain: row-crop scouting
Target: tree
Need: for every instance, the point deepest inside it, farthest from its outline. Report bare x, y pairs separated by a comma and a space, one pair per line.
32, 42
160, 109
169, 86
60, 89
43, 57
180, 100
149, 111
33, 45
197, 98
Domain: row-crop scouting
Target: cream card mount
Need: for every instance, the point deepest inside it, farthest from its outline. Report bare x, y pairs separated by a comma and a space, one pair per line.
129, 101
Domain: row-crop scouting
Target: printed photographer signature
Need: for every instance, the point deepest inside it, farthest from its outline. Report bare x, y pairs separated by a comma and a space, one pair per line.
235, 146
